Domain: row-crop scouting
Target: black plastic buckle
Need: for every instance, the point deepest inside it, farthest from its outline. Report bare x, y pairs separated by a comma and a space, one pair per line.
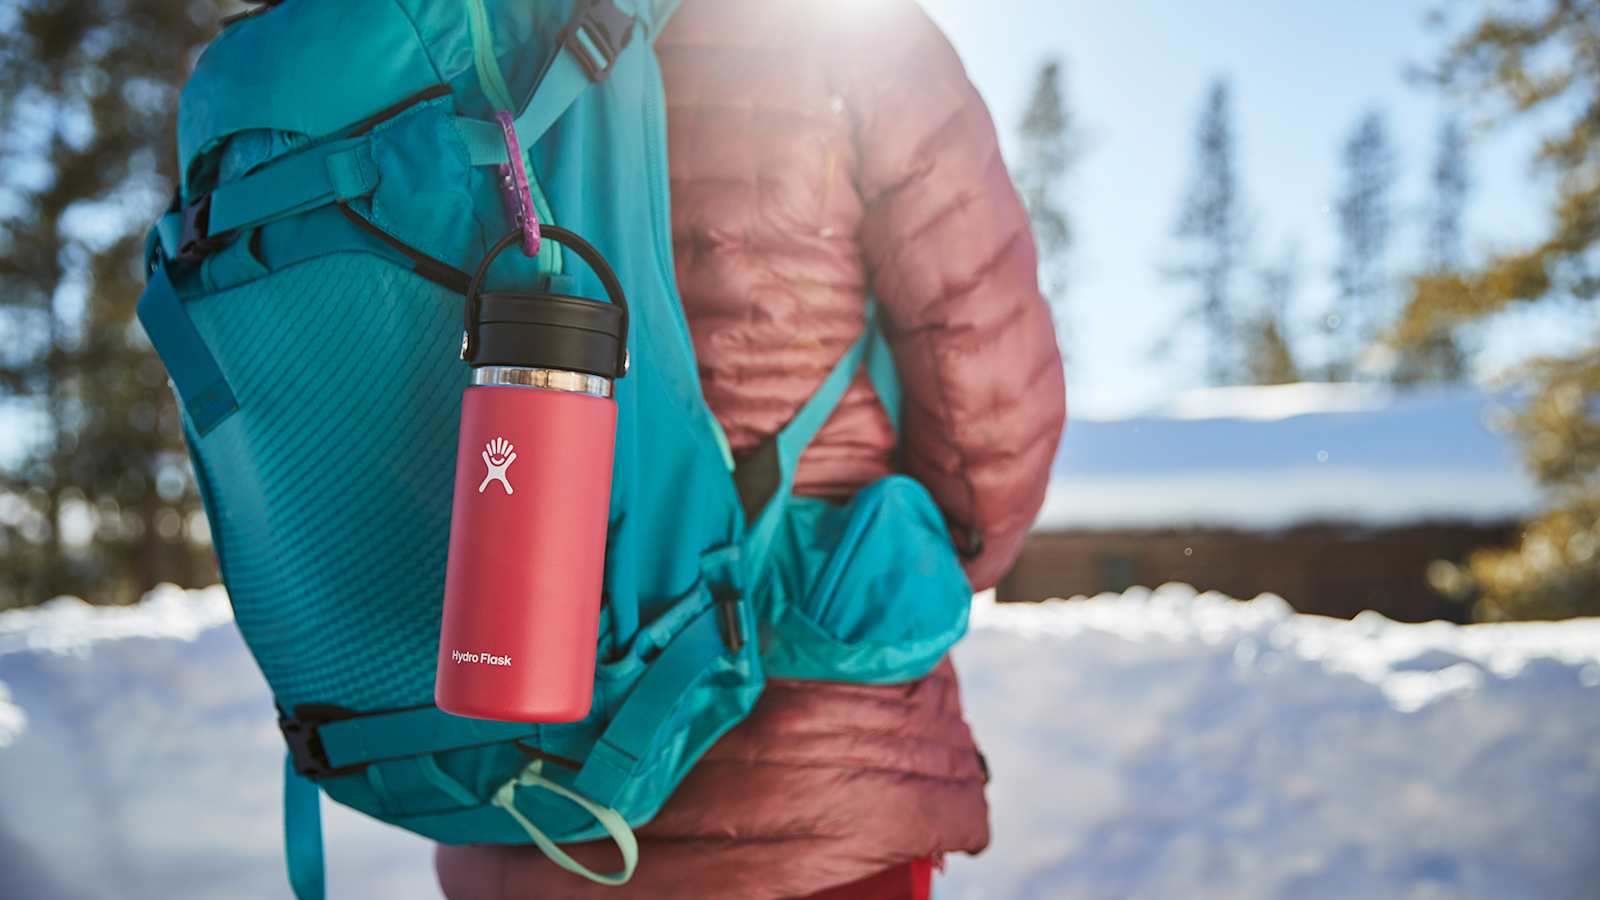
728, 613
971, 545
196, 242
305, 747
597, 35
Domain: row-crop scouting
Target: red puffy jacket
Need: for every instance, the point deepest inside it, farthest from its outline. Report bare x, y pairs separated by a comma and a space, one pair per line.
820, 151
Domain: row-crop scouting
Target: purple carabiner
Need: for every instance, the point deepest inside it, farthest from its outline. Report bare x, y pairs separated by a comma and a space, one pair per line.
514, 187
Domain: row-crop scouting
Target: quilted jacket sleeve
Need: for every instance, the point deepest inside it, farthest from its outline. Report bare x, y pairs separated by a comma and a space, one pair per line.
952, 260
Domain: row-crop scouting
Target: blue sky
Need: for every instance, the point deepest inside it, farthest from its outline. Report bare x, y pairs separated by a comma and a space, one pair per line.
1301, 74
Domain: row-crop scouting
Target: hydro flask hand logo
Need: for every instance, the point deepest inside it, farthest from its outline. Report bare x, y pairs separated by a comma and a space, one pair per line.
498, 455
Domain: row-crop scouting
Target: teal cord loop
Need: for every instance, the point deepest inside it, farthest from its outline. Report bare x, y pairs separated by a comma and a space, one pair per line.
611, 820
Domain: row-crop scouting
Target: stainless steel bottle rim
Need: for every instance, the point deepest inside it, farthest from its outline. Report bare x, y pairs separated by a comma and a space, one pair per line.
544, 379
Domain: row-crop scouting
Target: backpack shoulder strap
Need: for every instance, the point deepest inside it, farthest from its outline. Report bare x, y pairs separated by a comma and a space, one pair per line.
587, 49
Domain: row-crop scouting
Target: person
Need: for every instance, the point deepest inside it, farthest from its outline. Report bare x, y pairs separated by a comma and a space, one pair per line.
821, 152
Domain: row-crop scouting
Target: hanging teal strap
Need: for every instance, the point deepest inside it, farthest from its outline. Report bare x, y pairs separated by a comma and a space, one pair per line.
302, 833
409, 732
207, 397
633, 730
339, 170
802, 429
609, 819
885, 378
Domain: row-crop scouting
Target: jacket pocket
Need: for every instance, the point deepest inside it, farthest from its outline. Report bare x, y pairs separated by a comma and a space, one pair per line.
870, 592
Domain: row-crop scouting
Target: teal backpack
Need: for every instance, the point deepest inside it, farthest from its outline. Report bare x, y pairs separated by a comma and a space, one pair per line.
341, 173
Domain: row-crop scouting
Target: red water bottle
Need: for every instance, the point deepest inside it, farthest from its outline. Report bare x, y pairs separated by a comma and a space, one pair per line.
532, 498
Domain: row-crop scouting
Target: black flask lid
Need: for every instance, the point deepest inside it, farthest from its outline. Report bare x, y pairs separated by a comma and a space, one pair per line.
550, 331
542, 330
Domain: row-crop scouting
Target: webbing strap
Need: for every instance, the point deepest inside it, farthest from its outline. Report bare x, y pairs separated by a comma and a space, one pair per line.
557, 90
633, 730
611, 820
409, 732
339, 170
302, 833
206, 395
885, 378
312, 178
802, 429
563, 81
560, 87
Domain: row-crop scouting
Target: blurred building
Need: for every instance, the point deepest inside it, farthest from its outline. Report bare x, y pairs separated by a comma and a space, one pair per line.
1339, 498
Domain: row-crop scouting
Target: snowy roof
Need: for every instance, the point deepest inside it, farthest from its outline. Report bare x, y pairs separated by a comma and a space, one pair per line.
1268, 457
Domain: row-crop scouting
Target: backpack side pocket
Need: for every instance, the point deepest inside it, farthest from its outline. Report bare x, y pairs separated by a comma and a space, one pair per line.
871, 592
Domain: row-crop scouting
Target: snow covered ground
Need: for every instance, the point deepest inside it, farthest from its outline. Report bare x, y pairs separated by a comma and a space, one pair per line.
1268, 457
1144, 745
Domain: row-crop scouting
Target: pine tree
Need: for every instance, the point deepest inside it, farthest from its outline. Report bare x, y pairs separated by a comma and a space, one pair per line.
1366, 222
1212, 235
1439, 357
1538, 62
100, 502
1451, 184
1270, 356
1050, 148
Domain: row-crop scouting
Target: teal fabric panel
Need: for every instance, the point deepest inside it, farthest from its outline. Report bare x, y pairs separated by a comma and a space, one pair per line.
523, 35
331, 483
420, 198
344, 61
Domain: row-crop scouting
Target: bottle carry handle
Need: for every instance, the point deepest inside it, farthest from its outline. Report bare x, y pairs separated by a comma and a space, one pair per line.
570, 240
